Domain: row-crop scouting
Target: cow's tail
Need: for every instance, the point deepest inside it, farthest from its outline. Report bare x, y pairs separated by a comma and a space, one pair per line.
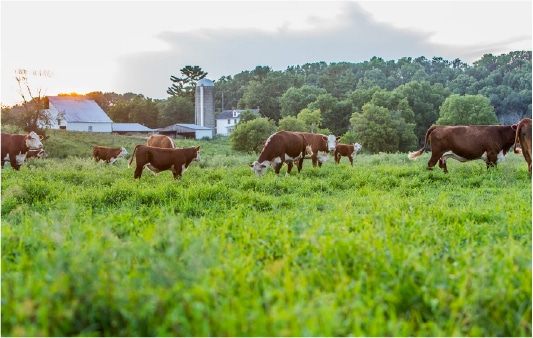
516, 139
132, 156
416, 154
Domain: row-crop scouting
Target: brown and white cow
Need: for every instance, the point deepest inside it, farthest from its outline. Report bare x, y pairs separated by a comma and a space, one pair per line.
16, 146
160, 159
321, 146
348, 150
41, 153
523, 136
161, 141
107, 154
466, 143
280, 147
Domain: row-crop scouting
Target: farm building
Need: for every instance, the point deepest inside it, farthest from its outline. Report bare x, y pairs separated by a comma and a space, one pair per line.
228, 119
131, 128
184, 130
77, 114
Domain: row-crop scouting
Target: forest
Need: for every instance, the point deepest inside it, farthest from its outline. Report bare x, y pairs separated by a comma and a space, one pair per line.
404, 97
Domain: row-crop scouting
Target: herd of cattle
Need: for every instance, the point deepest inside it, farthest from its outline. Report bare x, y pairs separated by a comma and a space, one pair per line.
462, 143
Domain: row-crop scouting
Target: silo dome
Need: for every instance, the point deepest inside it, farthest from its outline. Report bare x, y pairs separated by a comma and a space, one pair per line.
205, 82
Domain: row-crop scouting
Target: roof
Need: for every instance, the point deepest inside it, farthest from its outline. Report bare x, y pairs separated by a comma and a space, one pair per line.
229, 114
79, 109
205, 82
130, 127
181, 126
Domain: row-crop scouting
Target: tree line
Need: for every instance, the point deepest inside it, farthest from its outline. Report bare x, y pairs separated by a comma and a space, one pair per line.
366, 100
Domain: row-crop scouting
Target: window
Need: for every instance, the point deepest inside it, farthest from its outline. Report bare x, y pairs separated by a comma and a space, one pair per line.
229, 121
90, 128
235, 121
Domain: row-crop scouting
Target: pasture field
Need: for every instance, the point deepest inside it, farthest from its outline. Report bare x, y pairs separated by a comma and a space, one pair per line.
385, 248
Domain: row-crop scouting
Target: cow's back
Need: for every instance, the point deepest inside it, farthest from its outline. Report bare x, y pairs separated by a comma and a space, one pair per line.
282, 143
160, 141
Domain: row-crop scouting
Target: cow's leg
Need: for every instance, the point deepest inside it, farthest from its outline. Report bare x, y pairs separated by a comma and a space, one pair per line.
433, 160
442, 164
336, 156
314, 160
13, 162
351, 160
289, 167
138, 171
299, 164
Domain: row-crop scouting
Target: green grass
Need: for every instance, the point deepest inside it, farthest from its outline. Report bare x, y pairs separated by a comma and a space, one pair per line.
385, 248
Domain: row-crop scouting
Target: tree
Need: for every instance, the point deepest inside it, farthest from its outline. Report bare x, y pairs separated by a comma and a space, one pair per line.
186, 86
296, 99
249, 136
291, 123
311, 118
175, 110
31, 114
467, 110
138, 109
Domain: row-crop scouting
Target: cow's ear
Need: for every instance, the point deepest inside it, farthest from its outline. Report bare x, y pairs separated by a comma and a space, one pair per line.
513, 127
264, 165
41, 137
337, 138
198, 148
325, 138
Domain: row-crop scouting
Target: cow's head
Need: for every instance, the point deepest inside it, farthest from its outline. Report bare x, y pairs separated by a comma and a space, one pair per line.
33, 141
259, 168
357, 147
332, 142
197, 158
123, 152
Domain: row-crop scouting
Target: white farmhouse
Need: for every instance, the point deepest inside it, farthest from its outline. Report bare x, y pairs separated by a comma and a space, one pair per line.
228, 119
77, 114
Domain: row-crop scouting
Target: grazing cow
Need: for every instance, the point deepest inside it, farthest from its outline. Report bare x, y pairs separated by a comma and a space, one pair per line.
161, 141
523, 136
349, 150
109, 155
466, 143
16, 146
321, 146
159, 159
283, 146
37, 154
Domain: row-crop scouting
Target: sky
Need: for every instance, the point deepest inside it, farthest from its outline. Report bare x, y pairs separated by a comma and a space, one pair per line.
135, 46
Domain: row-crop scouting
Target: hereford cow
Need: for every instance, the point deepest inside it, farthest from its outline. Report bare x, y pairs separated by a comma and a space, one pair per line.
161, 141
466, 143
321, 146
523, 136
160, 159
16, 146
283, 146
37, 154
109, 155
349, 150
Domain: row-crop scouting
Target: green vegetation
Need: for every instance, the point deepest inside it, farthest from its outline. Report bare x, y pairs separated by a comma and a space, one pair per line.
385, 248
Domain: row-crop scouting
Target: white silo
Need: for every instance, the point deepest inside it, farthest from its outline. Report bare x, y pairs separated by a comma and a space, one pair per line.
204, 108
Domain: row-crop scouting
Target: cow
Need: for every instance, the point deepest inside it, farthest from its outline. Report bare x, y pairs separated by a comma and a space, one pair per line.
321, 146
466, 143
161, 141
160, 159
280, 147
36, 153
107, 154
16, 146
349, 150
523, 136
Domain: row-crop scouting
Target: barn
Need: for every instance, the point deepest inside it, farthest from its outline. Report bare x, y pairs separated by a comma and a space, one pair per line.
185, 130
76, 113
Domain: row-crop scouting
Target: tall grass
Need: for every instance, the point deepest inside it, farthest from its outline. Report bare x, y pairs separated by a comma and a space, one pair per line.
383, 248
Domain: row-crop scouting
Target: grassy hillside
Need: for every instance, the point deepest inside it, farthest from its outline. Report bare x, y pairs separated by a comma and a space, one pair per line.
384, 248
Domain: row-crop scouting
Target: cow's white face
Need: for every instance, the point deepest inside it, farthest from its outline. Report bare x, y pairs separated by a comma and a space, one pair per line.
332, 142
356, 148
42, 154
197, 158
260, 168
322, 156
123, 152
33, 141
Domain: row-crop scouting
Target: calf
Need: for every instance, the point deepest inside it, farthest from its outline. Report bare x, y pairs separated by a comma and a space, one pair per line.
37, 154
159, 159
16, 146
161, 141
466, 143
321, 146
349, 150
283, 146
109, 155
523, 136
